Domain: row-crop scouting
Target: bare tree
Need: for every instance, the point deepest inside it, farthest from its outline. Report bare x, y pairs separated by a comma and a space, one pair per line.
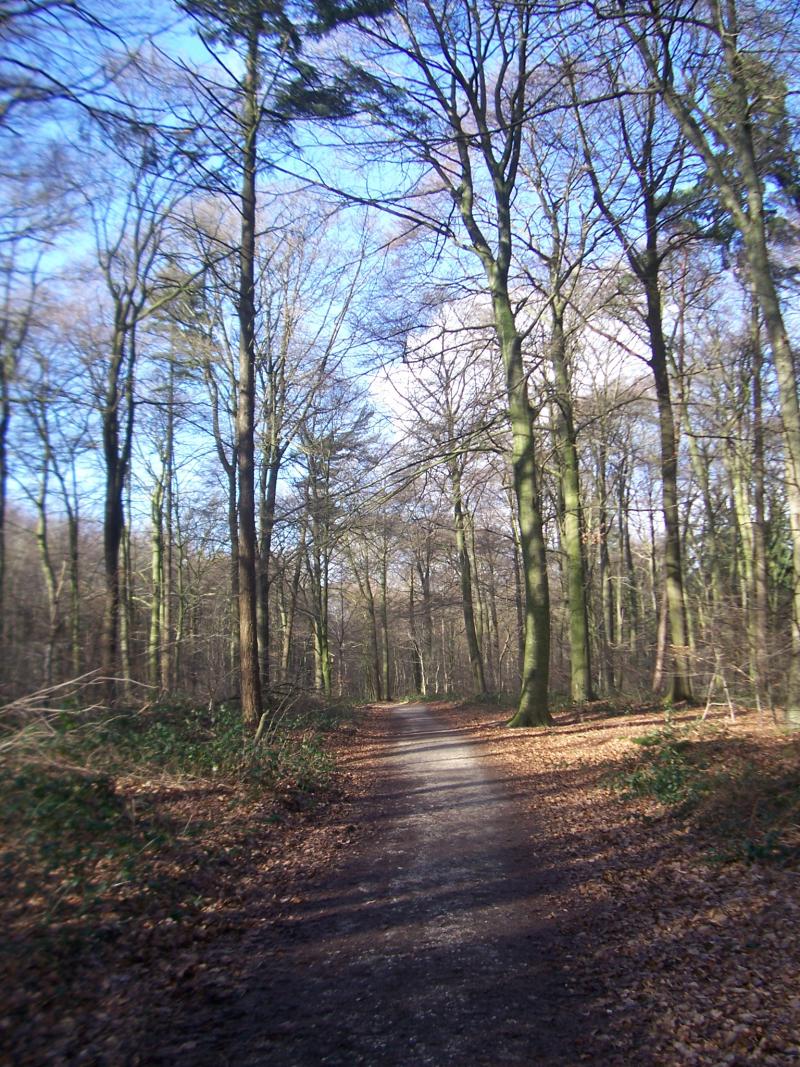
722, 76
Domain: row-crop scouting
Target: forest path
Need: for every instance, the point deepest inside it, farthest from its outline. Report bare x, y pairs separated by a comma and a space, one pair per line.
430, 943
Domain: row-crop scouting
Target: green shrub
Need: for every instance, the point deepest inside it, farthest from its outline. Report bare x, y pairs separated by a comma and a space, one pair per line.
664, 771
204, 742
747, 803
73, 825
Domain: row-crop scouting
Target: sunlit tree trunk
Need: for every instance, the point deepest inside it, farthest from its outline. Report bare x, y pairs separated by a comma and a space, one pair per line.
680, 687
157, 579
533, 709
465, 579
165, 622
519, 605
572, 518
385, 651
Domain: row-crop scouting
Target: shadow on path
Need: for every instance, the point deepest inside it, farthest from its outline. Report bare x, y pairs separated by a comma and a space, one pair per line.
430, 944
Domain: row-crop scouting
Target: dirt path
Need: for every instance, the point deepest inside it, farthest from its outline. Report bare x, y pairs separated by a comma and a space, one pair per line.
431, 943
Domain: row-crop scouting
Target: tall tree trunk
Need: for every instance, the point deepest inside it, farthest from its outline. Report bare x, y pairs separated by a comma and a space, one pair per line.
319, 575
416, 657
572, 519
374, 644
74, 590
181, 597
385, 652
423, 564
166, 656
117, 416
519, 604
662, 628
48, 571
157, 579
465, 578
126, 601
604, 568
786, 373
267, 500
533, 707
113, 524
249, 676
680, 687
760, 581
233, 535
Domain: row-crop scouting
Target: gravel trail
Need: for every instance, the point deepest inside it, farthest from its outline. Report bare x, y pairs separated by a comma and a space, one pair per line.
430, 943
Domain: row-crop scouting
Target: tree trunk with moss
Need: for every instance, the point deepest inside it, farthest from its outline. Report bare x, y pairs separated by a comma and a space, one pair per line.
533, 709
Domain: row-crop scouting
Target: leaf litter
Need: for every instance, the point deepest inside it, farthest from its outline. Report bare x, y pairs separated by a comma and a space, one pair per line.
681, 918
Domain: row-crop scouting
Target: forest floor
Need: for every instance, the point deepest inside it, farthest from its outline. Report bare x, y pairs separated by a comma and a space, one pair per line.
622, 889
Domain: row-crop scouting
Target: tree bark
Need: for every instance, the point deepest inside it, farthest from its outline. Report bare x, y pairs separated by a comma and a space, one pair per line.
680, 687
249, 675
157, 578
572, 518
533, 709
465, 581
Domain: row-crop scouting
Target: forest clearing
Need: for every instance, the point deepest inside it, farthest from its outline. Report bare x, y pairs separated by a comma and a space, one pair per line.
427, 887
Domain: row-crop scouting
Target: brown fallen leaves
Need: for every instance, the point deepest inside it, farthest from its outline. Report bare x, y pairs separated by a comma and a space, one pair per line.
87, 980
689, 959
693, 960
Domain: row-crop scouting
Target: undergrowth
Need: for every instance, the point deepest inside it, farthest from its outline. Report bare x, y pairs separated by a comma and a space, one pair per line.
84, 797
744, 799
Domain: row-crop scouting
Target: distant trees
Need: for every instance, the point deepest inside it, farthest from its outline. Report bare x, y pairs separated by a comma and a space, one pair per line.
449, 396
455, 91
129, 230
741, 130
634, 186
